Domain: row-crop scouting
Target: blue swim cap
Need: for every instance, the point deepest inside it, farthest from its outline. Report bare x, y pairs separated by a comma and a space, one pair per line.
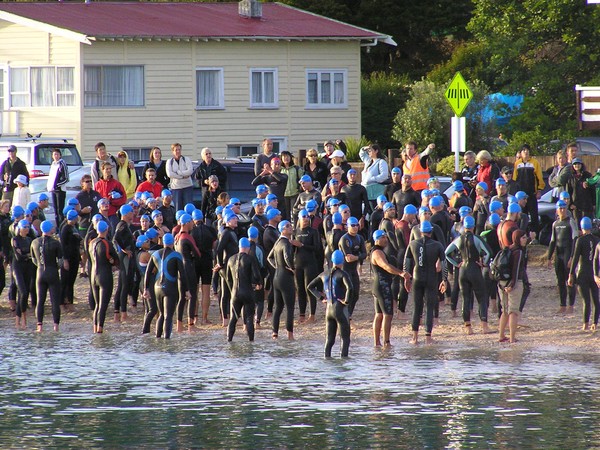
233, 201
72, 215
18, 211
125, 209
396, 170
189, 208
514, 208
303, 213
337, 257
272, 213
24, 224
494, 219
426, 226
410, 209
152, 233
185, 218
436, 201
311, 205
458, 186
464, 211
482, 185
168, 239
352, 221
564, 195
337, 218
425, 193
97, 217
66, 210
145, 217
32, 206
388, 205
244, 243
469, 223
46, 226
343, 207
495, 205
218, 210
178, 214
271, 197
282, 225
141, 240
305, 179
561, 204
134, 204
43, 196
197, 215
146, 195
253, 232
332, 202
333, 181
423, 210
73, 202
520, 195
165, 193
586, 223
229, 217
500, 182
378, 234
381, 199
260, 189
435, 192
102, 226
155, 213
351, 171
138, 195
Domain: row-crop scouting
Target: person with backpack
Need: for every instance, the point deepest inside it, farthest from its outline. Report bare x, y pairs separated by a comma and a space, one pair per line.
512, 289
294, 175
490, 237
474, 256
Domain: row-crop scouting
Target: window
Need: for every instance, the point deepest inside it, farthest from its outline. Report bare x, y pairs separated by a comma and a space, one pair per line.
42, 86
263, 88
109, 86
326, 88
138, 153
209, 88
236, 151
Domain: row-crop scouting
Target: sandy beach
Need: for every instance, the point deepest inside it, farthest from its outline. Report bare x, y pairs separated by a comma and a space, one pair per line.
541, 325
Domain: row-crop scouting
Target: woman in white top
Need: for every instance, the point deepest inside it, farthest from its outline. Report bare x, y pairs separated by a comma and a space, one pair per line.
180, 170
376, 171
57, 178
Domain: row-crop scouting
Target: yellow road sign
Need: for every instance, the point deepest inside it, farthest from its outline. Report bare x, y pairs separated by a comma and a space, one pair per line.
458, 94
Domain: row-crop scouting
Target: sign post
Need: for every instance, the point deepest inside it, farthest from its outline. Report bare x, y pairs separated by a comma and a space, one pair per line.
458, 95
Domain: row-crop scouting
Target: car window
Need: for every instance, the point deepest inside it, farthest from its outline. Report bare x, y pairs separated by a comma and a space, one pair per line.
70, 154
588, 148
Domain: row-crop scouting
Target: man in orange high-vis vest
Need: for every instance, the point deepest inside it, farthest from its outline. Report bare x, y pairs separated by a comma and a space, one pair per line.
416, 164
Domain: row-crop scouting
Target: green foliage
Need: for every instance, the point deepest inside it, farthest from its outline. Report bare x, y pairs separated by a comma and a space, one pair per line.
353, 145
426, 117
382, 96
541, 142
445, 166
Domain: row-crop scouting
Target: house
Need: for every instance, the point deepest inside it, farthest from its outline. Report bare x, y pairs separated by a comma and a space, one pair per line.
222, 75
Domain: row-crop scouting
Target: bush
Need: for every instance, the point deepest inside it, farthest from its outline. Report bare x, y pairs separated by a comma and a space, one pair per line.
445, 166
353, 146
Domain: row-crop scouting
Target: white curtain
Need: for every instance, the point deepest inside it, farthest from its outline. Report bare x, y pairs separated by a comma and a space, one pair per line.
338, 88
123, 86
326, 88
65, 86
91, 86
257, 88
269, 87
19, 87
313, 96
43, 86
208, 88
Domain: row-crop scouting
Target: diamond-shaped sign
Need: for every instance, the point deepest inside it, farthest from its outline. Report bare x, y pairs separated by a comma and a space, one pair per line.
458, 94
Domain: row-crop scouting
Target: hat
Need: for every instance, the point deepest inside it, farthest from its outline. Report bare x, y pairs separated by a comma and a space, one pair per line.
337, 219
500, 182
410, 209
125, 209
185, 218
178, 214
46, 226
72, 215
514, 208
168, 239
97, 217
20, 179
432, 180
12, 148
189, 208
165, 193
388, 205
152, 233
423, 210
271, 197
73, 202
218, 210
311, 205
506, 169
464, 211
396, 170
145, 217
305, 179
561, 204
520, 195
282, 225
426, 226
18, 211
24, 224
230, 216
232, 202
425, 193
333, 181
272, 213
141, 240
146, 195
102, 226
351, 171
352, 221
66, 209
343, 207
138, 195
458, 186
337, 154
337, 257
332, 202
577, 161
261, 188
330, 142
197, 215
156, 212
435, 202
303, 213
253, 232
585, 224
32, 206
43, 196
494, 219
495, 205
378, 234
482, 185
469, 222
381, 199
435, 192
134, 204
564, 195
244, 243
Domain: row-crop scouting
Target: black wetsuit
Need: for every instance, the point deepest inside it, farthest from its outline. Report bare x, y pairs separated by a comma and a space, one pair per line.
258, 253
337, 287
270, 237
564, 233
582, 266
391, 252
382, 288
103, 257
260, 222
374, 220
169, 278
242, 275
150, 306
353, 245
402, 198
185, 244
305, 260
357, 200
420, 259
70, 240
226, 248
45, 253
332, 239
122, 241
24, 271
490, 237
282, 259
204, 236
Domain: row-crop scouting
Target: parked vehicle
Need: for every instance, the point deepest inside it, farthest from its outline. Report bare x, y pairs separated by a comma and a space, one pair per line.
36, 152
588, 145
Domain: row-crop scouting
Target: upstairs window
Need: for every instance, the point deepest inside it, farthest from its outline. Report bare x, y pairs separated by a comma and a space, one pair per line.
326, 88
263, 88
209, 88
113, 86
42, 86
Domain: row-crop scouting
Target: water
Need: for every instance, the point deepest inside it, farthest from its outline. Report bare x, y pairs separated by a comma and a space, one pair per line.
73, 390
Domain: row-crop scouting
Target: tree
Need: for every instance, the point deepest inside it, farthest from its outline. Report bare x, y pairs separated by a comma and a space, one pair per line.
426, 117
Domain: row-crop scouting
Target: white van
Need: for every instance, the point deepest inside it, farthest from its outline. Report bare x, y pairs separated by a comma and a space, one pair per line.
36, 152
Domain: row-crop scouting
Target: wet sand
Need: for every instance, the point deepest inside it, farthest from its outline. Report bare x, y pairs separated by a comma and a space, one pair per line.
541, 325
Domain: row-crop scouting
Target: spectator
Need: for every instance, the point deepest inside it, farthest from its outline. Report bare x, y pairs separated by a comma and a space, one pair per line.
294, 173
416, 165
126, 174
57, 178
210, 199
263, 161
469, 174
209, 167
376, 172
180, 170
488, 170
151, 185
11, 169
512, 187
275, 180
336, 173
21, 194
561, 173
316, 168
102, 156
337, 159
159, 165
111, 190
582, 194
528, 174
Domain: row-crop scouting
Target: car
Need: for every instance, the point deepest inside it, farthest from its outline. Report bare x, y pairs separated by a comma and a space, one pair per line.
588, 145
36, 152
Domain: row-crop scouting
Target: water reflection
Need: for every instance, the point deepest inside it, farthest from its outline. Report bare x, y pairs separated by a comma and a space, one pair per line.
74, 390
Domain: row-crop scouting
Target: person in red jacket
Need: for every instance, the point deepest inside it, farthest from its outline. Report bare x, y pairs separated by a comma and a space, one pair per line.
150, 185
112, 190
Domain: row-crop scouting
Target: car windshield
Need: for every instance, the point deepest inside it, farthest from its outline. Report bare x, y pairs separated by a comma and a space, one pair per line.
38, 185
69, 152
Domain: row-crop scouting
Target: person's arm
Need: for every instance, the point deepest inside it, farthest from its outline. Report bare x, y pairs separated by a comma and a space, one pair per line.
552, 243
169, 169
539, 179
384, 172
452, 247
409, 260
362, 252
378, 258
483, 248
316, 286
349, 287
575, 258
288, 257
363, 154
516, 261
188, 167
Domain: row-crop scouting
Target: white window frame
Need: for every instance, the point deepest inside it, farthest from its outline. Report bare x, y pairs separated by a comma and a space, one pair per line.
235, 150
28, 93
319, 104
263, 104
221, 88
100, 92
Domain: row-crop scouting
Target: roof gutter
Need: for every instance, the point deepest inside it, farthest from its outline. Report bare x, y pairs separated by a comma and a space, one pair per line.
68, 34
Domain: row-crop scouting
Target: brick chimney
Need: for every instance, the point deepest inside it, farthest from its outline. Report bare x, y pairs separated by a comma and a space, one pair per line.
250, 9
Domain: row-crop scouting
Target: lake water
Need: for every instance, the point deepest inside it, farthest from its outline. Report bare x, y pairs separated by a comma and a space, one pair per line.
74, 390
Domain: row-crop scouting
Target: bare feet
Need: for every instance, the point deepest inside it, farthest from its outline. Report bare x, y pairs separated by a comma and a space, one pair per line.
436, 321
570, 309
192, 328
485, 328
311, 319
225, 322
290, 336
454, 313
429, 340
274, 336
503, 339
585, 327
414, 341
123, 317
593, 328
268, 316
387, 344
257, 326
179, 326
377, 344
468, 329
55, 327
99, 330
39, 328
562, 310
117, 317
301, 318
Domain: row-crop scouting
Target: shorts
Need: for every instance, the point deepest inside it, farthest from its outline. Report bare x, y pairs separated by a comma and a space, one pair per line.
382, 297
512, 300
205, 271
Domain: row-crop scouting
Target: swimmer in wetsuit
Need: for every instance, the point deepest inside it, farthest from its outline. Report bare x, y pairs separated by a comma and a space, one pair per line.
167, 264
282, 259
124, 243
186, 246
307, 244
382, 289
352, 245
335, 288
23, 270
45, 253
243, 278
103, 259
226, 248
